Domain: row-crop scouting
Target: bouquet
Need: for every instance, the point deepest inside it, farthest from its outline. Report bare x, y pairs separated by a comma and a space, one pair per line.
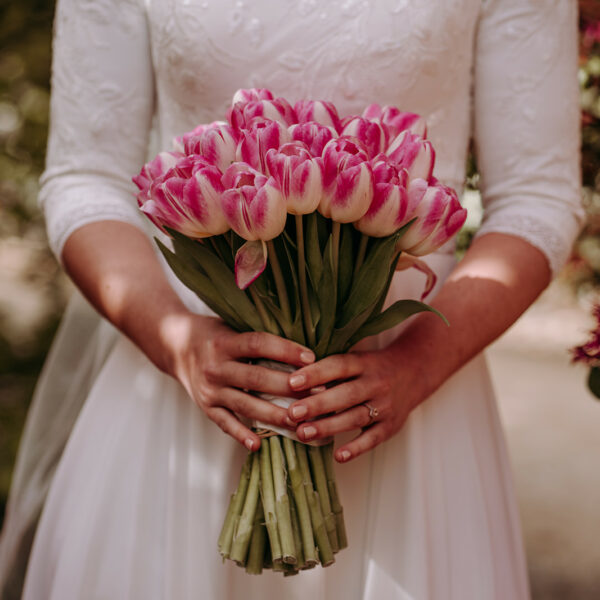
293, 220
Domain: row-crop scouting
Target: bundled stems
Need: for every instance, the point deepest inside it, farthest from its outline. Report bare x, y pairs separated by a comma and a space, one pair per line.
282, 294
360, 255
258, 542
336, 505
306, 314
335, 246
268, 499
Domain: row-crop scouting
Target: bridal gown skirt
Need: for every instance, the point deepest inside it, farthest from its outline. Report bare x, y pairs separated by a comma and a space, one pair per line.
136, 505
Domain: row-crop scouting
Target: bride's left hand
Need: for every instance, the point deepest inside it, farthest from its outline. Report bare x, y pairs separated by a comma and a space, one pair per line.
378, 379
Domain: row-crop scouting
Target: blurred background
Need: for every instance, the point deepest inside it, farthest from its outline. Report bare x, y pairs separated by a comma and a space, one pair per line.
552, 422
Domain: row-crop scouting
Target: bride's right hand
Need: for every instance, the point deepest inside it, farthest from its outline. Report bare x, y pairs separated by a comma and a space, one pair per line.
211, 362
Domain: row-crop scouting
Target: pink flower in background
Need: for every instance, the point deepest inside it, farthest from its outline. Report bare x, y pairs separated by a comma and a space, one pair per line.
439, 216
317, 111
258, 140
413, 153
390, 208
314, 135
299, 175
347, 181
244, 115
252, 203
370, 133
251, 95
152, 170
216, 143
395, 121
189, 204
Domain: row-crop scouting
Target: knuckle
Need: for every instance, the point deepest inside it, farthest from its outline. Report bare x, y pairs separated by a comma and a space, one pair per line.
254, 341
254, 378
212, 370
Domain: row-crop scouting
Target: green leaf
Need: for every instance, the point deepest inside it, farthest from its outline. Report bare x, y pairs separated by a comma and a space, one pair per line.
327, 295
371, 279
201, 285
594, 381
340, 336
221, 277
224, 250
346, 261
392, 316
312, 250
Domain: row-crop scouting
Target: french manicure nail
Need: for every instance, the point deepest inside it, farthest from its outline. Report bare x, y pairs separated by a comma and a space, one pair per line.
345, 455
299, 411
309, 432
297, 380
307, 357
249, 443
317, 389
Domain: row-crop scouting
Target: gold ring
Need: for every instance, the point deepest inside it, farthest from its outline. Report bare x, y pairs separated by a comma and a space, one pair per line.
373, 412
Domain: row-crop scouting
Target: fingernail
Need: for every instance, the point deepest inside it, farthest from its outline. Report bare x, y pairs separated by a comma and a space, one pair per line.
297, 380
299, 411
249, 443
317, 389
307, 357
344, 455
289, 423
309, 432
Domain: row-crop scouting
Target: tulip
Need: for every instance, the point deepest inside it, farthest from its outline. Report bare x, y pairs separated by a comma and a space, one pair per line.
314, 135
317, 111
347, 181
251, 95
244, 115
413, 153
154, 169
256, 142
370, 133
396, 121
252, 203
217, 143
390, 208
299, 176
191, 205
439, 216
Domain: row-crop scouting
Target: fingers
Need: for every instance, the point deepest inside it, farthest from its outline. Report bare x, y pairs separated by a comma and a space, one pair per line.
332, 368
354, 418
367, 440
256, 344
231, 425
252, 377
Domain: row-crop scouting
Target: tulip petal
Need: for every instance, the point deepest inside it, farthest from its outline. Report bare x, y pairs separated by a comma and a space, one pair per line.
406, 262
250, 262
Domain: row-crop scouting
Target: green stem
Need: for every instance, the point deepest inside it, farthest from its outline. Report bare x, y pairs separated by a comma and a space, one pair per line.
362, 249
335, 247
284, 301
336, 506
299, 493
282, 502
241, 541
268, 322
267, 493
235, 509
258, 542
297, 536
306, 313
320, 481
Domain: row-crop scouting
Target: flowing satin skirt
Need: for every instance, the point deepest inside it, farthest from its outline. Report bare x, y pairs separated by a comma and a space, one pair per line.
137, 501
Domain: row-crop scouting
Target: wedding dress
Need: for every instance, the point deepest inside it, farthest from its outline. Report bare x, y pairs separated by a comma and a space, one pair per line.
134, 508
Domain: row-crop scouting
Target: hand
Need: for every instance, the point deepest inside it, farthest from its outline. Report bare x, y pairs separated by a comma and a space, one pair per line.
209, 361
372, 377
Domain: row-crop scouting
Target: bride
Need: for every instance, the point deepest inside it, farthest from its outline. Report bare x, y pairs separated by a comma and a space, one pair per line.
134, 506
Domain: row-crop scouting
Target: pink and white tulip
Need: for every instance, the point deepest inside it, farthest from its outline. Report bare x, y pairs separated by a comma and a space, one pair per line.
439, 216
217, 144
251, 95
244, 115
347, 181
190, 205
252, 203
299, 176
258, 140
154, 169
370, 133
413, 153
314, 135
391, 207
317, 111
395, 121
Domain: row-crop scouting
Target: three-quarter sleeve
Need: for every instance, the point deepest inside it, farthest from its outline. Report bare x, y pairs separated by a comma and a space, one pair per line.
526, 122
101, 112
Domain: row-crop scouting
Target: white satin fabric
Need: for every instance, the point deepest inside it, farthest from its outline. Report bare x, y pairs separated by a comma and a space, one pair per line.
136, 503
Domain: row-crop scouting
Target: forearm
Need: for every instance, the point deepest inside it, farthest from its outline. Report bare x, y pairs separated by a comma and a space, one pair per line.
499, 277
116, 268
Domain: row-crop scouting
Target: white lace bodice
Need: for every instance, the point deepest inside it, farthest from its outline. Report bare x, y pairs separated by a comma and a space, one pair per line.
502, 71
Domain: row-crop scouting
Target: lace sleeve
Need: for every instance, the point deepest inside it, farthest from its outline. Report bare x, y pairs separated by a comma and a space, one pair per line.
101, 110
526, 122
